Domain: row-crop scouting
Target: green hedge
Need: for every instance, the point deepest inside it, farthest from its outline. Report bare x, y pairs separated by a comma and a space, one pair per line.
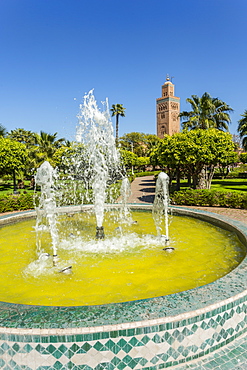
21, 202
9, 203
211, 198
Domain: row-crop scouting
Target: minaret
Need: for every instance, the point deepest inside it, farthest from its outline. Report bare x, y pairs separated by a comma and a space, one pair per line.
168, 109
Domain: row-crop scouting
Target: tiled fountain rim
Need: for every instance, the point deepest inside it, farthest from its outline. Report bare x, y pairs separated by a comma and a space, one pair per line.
127, 315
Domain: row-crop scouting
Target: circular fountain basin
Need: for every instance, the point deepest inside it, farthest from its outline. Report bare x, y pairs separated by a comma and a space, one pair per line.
132, 262
152, 333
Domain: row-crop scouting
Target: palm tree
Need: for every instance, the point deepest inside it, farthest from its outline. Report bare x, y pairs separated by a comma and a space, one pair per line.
47, 145
207, 112
3, 130
117, 110
23, 136
242, 129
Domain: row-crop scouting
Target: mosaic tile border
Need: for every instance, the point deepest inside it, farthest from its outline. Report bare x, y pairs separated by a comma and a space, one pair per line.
166, 331
150, 347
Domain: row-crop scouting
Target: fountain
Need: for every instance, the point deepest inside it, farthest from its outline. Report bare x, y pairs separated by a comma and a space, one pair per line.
159, 331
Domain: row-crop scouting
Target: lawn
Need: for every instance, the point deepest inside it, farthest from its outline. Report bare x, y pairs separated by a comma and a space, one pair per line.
7, 188
227, 185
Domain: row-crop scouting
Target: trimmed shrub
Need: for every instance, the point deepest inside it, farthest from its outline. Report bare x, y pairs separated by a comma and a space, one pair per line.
210, 198
9, 203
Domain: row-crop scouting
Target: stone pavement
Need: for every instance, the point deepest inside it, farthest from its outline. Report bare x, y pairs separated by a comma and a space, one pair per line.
143, 191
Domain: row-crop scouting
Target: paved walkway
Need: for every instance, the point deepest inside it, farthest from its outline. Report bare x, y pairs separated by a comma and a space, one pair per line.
143, 191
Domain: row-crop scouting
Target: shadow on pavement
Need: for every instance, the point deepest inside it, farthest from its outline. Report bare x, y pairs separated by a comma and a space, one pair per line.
147, 198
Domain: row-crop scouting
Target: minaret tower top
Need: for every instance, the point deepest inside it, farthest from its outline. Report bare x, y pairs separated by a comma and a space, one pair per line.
168, 109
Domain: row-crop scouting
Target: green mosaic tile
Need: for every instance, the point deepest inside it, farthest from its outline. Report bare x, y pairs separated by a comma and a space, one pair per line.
132, 364
116, 349
127, 348
143, 361
185, 352
11, 352
133, 341
57, 365
57, 354
194, 348
74, 348
5, 346
145, 339
126, 360
194, 328
157, 339
86, 346
114, 334
98, 346
170, 339
121, 366
154, 360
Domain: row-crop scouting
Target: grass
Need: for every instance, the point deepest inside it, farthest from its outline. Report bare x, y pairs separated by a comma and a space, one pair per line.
236, 185
7, 188
227, 185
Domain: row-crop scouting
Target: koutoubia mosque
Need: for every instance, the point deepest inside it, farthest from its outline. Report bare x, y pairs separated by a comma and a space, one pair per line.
168, 109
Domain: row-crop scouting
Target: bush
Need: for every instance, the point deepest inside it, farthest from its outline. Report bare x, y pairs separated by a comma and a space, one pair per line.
243, 157
210, 198
9, 203
234, 173
147, 173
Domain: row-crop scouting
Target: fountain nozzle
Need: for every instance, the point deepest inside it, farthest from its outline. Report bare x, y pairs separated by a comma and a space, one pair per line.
100, 232
169, 249
55, 259
66, 270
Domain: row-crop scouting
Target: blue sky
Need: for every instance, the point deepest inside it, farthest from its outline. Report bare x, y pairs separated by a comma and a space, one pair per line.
54, 51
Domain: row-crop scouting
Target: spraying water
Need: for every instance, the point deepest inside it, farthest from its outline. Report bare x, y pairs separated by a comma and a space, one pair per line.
125, 191
95, 132
161, 204
45, 178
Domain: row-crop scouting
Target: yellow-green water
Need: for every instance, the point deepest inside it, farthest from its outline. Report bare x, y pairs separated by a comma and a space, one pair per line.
118, 269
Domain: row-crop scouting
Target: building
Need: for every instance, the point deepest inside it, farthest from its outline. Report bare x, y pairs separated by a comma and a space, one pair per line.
168, 109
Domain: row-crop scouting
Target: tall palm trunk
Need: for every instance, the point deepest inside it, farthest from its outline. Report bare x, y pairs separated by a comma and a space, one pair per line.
117, 119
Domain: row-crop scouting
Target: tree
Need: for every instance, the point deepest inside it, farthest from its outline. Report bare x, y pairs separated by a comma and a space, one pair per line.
13, 157
3, 131
242, 129
117, 110
128, 158
191, 152
138, 143
46, 146
207, 112
243, 157
23, 136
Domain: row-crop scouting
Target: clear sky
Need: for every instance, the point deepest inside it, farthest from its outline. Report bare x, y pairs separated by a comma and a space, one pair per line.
54, 51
